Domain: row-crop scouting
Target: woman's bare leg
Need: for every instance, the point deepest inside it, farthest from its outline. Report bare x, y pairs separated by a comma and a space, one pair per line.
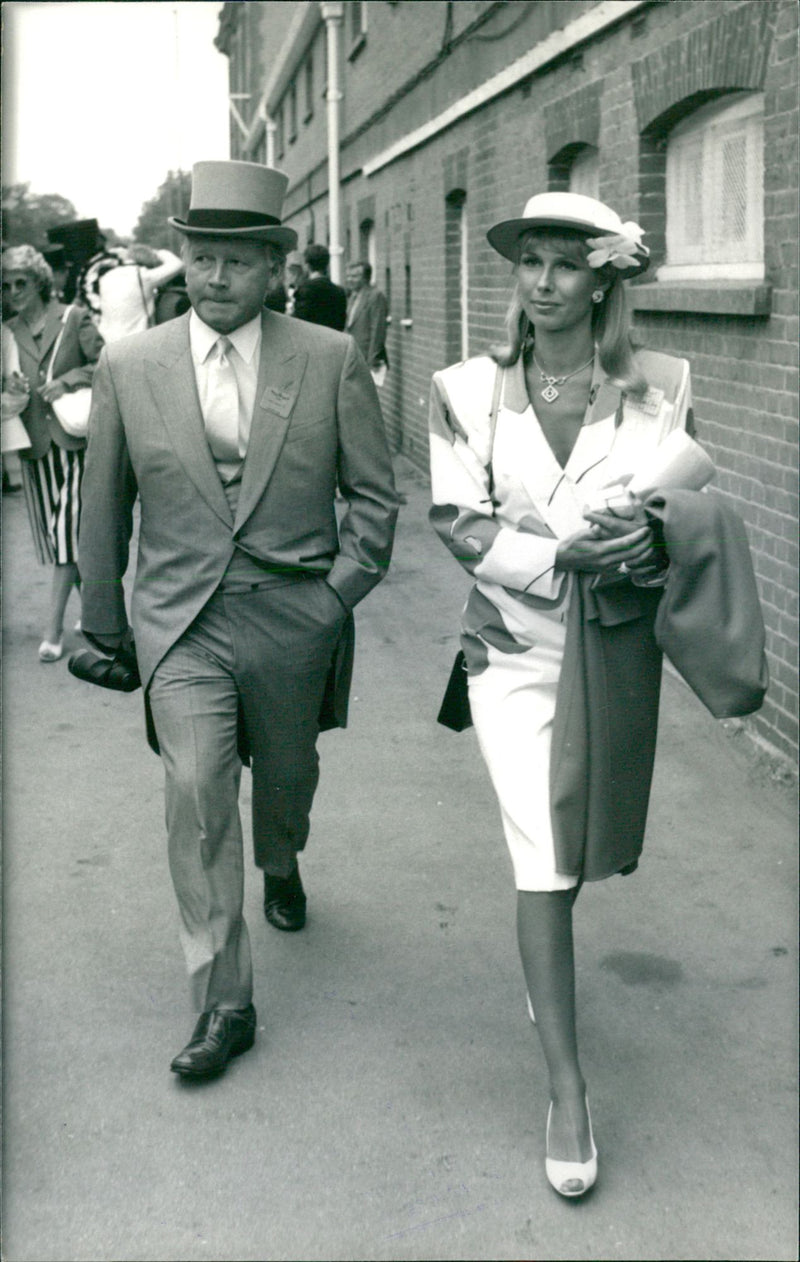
65, 577
544, 932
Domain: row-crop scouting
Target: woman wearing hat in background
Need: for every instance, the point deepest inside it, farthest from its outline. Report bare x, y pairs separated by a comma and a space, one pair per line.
52, 466
531, 449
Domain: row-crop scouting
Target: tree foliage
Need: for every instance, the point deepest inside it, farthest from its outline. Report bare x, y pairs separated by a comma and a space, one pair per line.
27, 216
172, 198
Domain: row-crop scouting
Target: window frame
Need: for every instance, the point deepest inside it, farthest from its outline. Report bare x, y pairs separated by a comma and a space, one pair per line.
704, 131
586, 154
291, 97
358, 36
280, 132
368, 245
308, 78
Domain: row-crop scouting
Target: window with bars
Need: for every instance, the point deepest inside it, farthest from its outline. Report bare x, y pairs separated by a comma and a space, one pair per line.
280, 139
367, 247
584, 173
456, 277
715, 192
309, 85
292, 113
357, 14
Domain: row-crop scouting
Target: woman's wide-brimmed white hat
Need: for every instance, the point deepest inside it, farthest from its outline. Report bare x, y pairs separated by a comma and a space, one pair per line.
614, 242
237, 199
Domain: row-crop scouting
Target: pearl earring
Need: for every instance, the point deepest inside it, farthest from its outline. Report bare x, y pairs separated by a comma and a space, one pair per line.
598, 295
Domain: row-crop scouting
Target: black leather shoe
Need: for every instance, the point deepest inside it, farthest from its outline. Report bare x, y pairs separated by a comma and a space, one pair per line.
218, 1036
285, 901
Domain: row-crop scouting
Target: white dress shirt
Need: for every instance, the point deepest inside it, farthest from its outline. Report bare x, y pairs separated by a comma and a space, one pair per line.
244, 355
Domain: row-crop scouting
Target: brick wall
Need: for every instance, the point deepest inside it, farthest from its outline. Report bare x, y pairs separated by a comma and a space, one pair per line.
744, 369
620, 90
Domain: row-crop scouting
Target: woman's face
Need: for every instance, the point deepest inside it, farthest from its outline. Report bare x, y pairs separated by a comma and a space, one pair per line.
20, 292
555, 282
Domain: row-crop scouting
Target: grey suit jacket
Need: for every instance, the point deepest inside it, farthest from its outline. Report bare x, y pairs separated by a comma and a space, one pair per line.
74, 366
316, 423
366, 322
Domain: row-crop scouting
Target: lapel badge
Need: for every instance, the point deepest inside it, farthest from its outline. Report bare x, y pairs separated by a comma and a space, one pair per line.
649, 403
278, 399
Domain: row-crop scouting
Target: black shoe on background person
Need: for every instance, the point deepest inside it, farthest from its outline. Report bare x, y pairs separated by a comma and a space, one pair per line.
218, 1036
285, 901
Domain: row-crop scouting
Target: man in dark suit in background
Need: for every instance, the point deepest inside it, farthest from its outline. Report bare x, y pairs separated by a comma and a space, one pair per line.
366, 319
317, 299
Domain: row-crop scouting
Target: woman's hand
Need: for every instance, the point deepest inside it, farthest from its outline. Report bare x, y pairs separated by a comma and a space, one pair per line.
52, 390
16, 394
589, 552
619, 516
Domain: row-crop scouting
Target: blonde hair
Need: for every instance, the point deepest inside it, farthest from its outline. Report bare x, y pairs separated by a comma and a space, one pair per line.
24, 258
610, 324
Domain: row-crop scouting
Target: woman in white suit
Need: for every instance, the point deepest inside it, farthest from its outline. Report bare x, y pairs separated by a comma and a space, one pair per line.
531, 451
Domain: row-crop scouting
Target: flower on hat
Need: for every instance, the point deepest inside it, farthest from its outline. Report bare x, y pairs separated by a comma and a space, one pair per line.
625, 249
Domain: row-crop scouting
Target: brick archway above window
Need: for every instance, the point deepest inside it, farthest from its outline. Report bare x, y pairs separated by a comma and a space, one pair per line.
455, 173
727, 54
573, 121
562, 168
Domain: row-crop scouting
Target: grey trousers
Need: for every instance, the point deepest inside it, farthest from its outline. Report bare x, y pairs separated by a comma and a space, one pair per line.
266, 650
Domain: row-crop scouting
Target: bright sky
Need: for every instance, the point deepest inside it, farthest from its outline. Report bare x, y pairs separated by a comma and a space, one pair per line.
101, 99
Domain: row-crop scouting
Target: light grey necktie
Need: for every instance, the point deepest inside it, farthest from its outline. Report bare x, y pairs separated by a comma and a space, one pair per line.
222, 404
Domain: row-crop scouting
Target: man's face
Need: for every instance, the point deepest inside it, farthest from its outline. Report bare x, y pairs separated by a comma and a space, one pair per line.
355, 278
227, 280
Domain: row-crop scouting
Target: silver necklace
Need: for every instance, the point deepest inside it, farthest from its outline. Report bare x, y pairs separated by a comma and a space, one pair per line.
550, 394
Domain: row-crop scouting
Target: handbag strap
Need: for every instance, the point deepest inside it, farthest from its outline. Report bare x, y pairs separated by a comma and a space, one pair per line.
57, 346
498, 386
150, 322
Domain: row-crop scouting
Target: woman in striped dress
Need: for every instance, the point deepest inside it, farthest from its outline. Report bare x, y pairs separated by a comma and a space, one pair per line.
52, 466
523, 445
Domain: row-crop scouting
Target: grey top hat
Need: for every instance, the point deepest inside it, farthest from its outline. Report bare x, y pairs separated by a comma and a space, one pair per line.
237, 199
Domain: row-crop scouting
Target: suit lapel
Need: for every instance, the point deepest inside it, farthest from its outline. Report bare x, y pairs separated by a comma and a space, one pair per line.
557, 493
170, 372
355, 307
599, 430
280, 374
52, 326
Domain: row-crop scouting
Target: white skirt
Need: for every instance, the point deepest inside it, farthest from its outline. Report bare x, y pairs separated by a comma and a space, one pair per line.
513, 704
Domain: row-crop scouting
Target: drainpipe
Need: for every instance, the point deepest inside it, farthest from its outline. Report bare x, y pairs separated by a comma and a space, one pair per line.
271, 128
332, 12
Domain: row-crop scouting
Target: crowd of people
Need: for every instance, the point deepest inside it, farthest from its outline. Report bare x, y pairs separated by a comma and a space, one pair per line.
564, 476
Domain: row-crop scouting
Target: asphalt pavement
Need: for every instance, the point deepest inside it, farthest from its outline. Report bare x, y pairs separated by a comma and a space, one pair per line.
394, 1104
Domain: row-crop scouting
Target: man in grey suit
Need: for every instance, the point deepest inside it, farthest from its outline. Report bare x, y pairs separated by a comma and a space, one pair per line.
234, 426
366, 319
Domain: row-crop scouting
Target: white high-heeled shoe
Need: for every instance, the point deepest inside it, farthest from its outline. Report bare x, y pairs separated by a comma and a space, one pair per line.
49, 652
571, 1178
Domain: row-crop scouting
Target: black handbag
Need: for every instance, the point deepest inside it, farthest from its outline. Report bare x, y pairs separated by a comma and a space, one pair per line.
454, 711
